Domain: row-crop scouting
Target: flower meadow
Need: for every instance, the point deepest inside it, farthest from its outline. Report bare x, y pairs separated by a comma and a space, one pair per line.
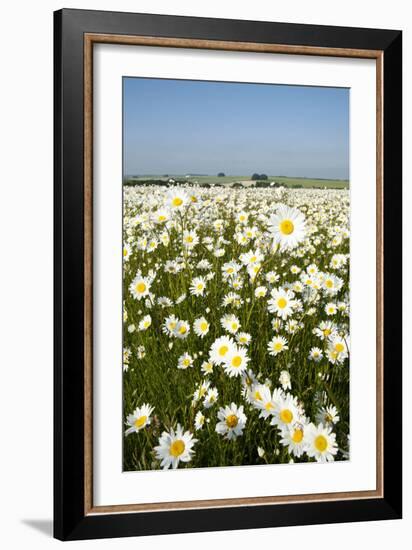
236, 326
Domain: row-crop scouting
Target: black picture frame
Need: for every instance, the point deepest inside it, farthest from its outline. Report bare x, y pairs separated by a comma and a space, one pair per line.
70, 520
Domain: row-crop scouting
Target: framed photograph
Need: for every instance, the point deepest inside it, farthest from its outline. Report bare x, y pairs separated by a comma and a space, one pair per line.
227, 274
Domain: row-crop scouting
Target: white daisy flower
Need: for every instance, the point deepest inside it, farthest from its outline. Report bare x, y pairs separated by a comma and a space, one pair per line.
315, 354
201, 327
230, 323
232, 421
181, 330
177, 199
288, 227
174, 447
235, 362
207, 367
199, 420
210, 398
185, 361
293, 437
140, 287
284, 380
139, 419
220, 348
287, 413
277, 345
321, 443
328, 415
281, 303
145, 323
198, 286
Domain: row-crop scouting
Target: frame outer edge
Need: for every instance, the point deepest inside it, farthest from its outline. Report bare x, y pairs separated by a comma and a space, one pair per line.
70, 521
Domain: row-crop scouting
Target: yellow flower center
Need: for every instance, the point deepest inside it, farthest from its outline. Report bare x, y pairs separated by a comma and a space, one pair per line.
278, 346
269, 406
329, 283
141, 287
177, 201
286, 416
183, 329
339, 347
232, 421
236, 361
161, 218
326, 332
286, 227
253, 259
321, 443
186, 362
199, 286
234, 326
258, 396
203, 326
230, 270
141, 421
189, 239
282, 303
125, 251
177, 447
223, 350
297, 435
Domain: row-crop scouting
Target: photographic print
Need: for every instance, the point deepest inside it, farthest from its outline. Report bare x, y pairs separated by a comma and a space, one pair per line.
236, 260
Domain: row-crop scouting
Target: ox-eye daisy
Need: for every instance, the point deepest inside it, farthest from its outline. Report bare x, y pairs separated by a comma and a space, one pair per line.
327, 415
315, 354
293, 437
201, 327
220, 349
265, 401
230, 323
145, 323
243, 338
287, 227
232, 421
321, 443
185, 361
210, 398
281, 303
198, 286
181, 330
284, 380
177, 199
140, 287
235, 362
199, 420
139, 418
174, 447
287, 412
277, 345
207, 367
127, 250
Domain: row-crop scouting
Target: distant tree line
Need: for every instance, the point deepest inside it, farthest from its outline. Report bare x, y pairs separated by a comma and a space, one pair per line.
257, 176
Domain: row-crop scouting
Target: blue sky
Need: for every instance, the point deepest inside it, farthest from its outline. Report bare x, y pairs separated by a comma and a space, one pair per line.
183, 127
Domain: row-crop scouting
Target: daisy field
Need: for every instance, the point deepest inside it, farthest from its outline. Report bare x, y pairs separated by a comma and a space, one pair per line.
235, 326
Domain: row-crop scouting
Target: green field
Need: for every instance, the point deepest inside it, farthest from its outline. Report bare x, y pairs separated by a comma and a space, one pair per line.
228, 180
